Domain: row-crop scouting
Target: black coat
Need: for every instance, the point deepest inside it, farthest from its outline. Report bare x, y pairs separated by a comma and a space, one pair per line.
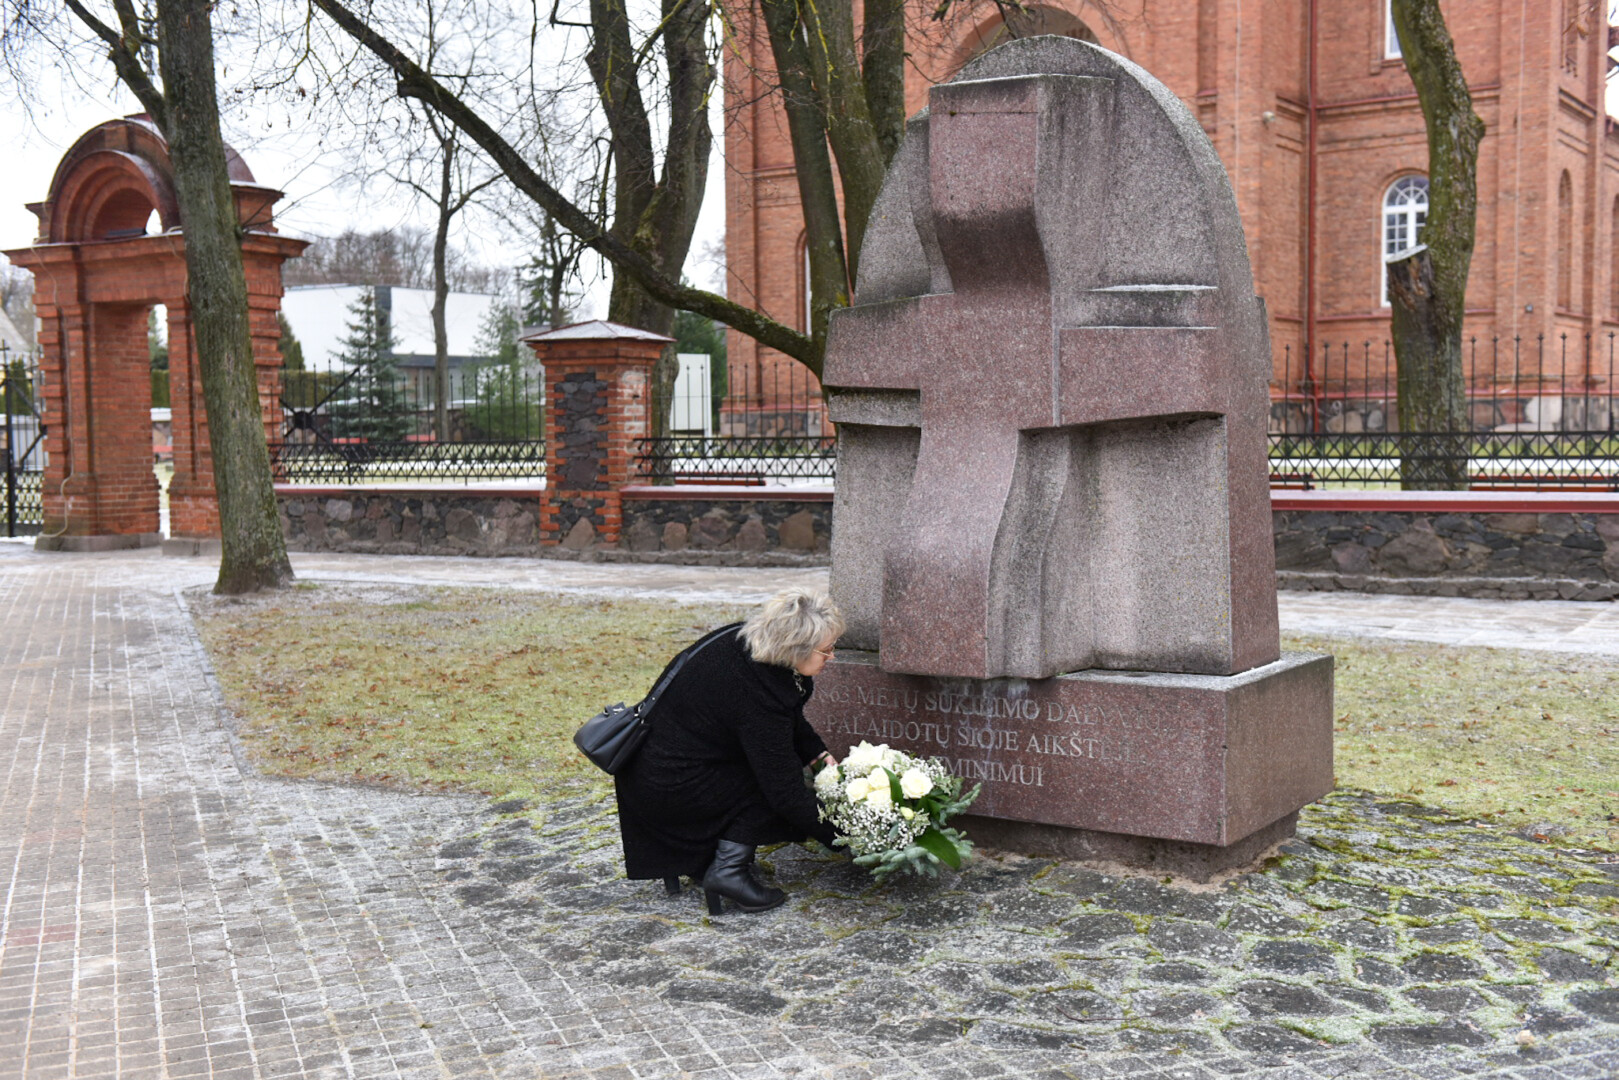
725, 760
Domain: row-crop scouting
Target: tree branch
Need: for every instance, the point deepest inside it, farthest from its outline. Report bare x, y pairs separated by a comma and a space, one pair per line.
882, 47
829, 35
124, 61
806, 126
415, 83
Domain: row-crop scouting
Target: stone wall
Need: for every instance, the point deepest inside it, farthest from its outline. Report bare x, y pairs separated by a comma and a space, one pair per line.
451, 521
696, 525
1535, 547
1490, 546
717, 524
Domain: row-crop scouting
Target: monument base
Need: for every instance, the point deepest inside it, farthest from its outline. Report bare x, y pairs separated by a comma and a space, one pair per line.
1199, 862
1176, 765
97, 542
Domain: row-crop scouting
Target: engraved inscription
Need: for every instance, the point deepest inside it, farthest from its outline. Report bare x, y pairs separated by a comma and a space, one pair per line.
977, 729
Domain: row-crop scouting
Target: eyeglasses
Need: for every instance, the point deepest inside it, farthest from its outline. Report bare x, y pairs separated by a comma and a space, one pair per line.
828, 651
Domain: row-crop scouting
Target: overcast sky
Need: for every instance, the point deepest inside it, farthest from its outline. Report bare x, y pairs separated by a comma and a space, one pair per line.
287, 157
280, 157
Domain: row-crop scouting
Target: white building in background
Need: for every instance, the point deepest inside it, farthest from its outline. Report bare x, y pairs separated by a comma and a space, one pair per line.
319, 316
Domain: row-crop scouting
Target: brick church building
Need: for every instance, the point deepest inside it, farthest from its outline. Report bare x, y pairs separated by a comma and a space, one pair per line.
1309, 105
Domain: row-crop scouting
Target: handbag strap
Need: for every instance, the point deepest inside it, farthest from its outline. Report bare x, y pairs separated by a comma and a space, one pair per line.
644, 709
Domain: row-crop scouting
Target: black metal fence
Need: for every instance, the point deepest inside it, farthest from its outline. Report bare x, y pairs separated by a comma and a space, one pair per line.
768, 426
24, 434
360, 426
1541, 415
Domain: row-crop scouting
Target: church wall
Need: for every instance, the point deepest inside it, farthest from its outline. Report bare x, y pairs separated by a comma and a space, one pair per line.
1247, 83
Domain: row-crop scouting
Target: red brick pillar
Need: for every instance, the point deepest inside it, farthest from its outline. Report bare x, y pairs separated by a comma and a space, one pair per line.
193, 506
98, 489
598, 387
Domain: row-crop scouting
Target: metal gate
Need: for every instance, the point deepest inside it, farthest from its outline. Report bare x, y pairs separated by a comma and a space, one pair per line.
24, 432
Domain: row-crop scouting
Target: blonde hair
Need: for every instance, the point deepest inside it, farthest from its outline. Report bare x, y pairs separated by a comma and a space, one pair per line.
790, 626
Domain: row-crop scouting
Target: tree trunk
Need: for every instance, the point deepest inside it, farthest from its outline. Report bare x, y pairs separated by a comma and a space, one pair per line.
441, 293
254, 554
829, 35
882, 45
1432, 402
654, 214
806, 127
1428, 289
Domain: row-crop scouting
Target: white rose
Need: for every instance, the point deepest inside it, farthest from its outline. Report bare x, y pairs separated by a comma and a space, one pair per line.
826, 781
915, 783
879, 798
907, 813
856, 789
864, 758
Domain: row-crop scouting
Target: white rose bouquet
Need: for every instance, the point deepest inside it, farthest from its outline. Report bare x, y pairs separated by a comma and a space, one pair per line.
890, 809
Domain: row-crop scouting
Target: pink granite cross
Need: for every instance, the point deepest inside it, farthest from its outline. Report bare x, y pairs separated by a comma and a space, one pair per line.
995, 368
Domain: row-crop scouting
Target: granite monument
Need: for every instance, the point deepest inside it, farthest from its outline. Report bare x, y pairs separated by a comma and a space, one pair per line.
1053, 539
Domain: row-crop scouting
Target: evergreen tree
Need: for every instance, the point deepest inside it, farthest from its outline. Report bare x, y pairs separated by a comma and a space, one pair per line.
497, 336
292, 350
549, 283
371, 405
505, 399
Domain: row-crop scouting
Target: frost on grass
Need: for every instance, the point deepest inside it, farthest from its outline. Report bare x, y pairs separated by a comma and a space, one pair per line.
1526, 739
435, 689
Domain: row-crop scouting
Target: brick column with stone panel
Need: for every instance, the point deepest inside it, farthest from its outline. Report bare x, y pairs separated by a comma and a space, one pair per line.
598, 390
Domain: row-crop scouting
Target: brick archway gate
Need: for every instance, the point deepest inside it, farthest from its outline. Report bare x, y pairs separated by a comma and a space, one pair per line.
98, 271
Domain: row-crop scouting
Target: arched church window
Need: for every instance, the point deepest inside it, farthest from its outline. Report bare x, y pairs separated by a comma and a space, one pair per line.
1405, 212
807, 308
1030, 21
1565, 242
1613, 260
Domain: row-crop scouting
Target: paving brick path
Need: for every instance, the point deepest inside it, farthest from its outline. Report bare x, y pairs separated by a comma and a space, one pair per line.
166, 913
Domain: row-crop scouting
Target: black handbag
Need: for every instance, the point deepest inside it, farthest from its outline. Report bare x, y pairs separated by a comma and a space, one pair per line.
612, 737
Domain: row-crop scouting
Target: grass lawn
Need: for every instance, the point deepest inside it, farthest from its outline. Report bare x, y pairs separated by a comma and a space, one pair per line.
481, 689
468, 690
1525, 738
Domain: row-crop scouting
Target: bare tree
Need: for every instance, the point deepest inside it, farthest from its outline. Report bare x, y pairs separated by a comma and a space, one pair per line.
453, 194
400, 256
654, 212
843, 94
547, 282
1428, 284
17, 300
422, 153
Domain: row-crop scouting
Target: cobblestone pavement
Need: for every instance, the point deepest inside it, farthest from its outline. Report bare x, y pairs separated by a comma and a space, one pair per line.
166, 913
1387, 939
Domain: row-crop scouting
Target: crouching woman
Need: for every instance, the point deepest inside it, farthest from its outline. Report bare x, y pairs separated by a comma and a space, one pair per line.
722, 770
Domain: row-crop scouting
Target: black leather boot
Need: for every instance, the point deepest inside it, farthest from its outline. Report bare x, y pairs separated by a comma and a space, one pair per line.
732, 875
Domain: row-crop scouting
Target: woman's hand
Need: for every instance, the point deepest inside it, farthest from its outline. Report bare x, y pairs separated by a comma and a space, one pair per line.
823, 761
